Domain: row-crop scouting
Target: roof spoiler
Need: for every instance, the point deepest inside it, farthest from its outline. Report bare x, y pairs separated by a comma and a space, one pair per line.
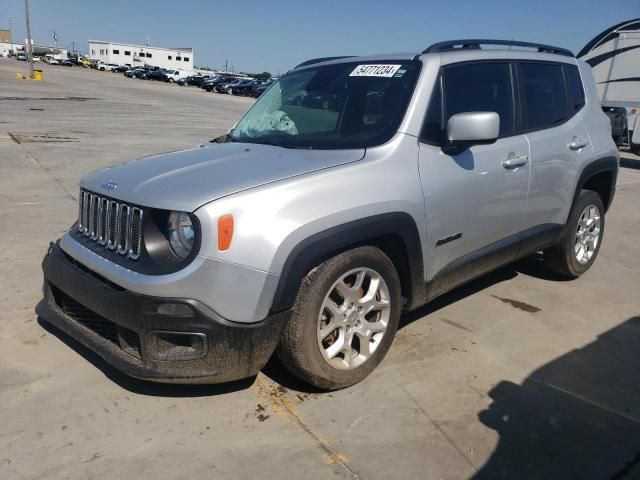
475, 44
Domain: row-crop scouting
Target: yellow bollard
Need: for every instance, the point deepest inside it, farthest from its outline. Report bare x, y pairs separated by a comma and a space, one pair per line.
37, 75
19, 76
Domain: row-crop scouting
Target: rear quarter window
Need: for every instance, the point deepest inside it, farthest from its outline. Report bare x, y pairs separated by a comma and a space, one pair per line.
575, 90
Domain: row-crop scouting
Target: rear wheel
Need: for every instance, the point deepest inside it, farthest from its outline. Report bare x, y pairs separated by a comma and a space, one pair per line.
344, 320
230, 91
578, 249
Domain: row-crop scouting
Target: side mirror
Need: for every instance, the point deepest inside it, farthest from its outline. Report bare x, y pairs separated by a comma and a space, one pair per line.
472, 128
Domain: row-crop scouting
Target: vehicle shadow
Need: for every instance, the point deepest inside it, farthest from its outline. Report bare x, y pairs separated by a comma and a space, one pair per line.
628, 162
143, 387
577, 417
532, 266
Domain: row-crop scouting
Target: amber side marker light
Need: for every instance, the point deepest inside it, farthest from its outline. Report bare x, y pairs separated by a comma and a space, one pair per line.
225, 232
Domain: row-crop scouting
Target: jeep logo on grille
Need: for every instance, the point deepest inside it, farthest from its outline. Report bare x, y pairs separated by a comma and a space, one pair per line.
109, 185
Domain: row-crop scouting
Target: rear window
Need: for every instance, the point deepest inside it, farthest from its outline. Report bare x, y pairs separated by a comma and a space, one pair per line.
544, 98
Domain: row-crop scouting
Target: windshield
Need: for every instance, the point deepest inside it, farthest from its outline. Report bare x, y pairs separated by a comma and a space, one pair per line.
345, 105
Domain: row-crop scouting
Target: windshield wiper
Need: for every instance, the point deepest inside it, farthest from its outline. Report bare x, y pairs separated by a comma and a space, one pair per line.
223, 139
284, 145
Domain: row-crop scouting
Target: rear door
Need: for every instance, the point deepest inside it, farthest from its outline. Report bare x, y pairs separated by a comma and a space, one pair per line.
475, 202
551, 97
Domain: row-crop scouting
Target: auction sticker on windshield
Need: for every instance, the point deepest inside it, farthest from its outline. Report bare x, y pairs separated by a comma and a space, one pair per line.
374, 70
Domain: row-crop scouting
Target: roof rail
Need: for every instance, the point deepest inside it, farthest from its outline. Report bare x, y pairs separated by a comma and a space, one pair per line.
474, 44
321, 59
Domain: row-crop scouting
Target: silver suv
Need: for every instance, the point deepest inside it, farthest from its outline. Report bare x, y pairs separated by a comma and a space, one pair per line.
354, 189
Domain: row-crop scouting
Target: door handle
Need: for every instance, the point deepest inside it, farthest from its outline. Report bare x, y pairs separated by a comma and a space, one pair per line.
578, 143
515, 161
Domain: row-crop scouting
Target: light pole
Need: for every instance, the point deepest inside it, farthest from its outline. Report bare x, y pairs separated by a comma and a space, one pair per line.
29, 42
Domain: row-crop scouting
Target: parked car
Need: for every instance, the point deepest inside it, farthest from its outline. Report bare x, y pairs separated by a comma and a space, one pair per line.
211, 84
311, 226
129, 73
228, 87
156, 74
120, 69
107, 67
172, 76
258, 90
618, 118
21, 57
137, 72
245, 88
66, 63
195, 80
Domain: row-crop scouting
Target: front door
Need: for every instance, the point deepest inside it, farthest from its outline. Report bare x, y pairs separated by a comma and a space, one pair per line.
476, 200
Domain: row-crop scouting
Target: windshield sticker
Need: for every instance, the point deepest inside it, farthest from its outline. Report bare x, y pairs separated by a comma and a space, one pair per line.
375, 70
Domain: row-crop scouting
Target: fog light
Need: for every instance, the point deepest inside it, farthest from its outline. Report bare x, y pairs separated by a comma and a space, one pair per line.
176, 346
175, 310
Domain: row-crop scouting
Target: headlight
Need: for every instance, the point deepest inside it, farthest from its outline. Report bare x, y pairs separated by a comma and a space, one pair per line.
181, 233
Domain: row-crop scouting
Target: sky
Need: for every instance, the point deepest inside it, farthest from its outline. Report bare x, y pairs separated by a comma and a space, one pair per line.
264, 35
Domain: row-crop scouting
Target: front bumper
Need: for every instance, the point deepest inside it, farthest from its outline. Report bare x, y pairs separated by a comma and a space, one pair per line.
173, 340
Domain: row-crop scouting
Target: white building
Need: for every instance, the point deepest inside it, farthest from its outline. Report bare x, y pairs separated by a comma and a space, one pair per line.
38, 50
7, 47
141, 55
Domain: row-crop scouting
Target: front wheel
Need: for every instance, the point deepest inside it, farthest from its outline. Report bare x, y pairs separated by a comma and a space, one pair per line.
344, 319
578, 249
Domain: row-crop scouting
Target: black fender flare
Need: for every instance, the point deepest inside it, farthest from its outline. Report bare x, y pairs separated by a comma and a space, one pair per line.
604, 164
366, 231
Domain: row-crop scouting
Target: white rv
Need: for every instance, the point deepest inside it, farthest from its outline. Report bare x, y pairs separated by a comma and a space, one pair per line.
614, 56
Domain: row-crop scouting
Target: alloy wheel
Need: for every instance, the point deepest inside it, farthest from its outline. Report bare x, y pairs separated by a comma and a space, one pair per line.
353, 318
587, 234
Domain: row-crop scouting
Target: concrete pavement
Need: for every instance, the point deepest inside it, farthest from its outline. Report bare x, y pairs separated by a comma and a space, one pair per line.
516, 375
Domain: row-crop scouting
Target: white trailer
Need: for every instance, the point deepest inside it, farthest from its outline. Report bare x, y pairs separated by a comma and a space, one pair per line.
614, 56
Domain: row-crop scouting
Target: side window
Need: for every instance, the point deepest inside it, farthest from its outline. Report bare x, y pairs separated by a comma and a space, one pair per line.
574, 88
544, 99
480, 87
432, 128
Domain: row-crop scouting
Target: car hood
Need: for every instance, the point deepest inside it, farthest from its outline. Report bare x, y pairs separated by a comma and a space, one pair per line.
187, 179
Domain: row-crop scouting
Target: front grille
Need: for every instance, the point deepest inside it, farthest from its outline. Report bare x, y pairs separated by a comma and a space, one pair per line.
127, 340
112, 224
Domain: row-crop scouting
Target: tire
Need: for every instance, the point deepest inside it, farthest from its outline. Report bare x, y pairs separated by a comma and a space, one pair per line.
578, 248
171, 80
230, 91
306, 349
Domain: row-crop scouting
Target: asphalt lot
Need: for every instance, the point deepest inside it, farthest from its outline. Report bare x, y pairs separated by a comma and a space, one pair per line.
517, 375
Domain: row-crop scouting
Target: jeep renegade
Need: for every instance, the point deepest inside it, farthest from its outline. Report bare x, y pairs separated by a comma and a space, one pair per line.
354, 189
